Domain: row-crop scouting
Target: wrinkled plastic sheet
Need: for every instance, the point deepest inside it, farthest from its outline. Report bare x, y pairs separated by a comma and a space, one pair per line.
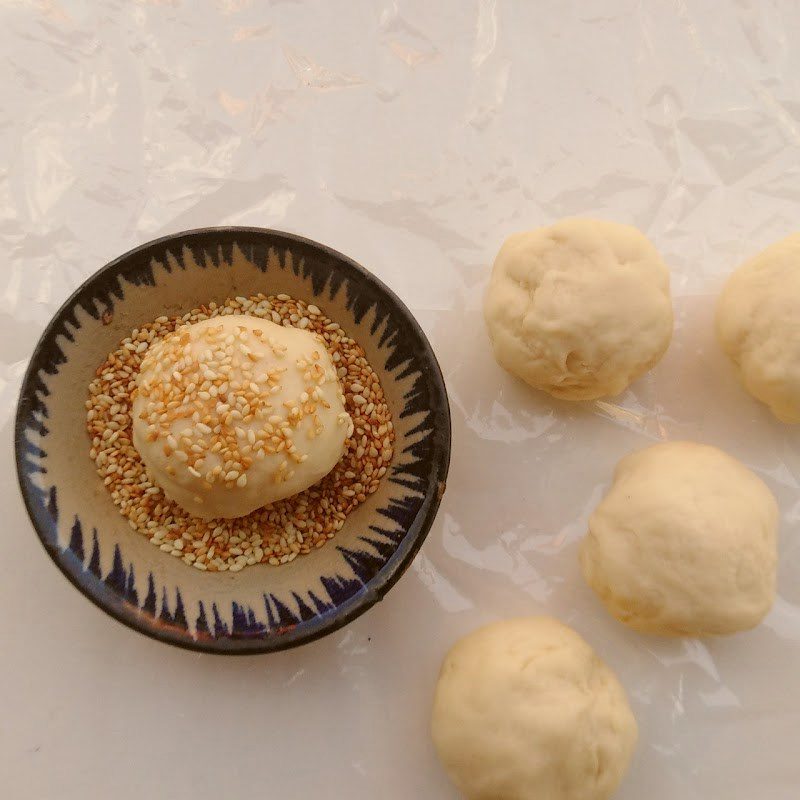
414, 137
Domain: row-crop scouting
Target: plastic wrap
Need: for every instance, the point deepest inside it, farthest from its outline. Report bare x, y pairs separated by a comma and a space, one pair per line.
414, 137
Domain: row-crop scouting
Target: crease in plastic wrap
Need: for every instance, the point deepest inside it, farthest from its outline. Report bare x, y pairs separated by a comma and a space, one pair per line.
414, 137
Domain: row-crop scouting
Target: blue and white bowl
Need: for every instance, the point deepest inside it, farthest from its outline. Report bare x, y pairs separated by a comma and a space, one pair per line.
261, 608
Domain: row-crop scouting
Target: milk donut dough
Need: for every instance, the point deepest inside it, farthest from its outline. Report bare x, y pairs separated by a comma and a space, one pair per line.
758, 326
579, 309
525, 710
235, 412
684, 543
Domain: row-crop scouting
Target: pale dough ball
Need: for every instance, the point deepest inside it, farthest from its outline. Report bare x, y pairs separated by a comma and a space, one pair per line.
235, 412
525, 710
684, 543
758, 326
579, 309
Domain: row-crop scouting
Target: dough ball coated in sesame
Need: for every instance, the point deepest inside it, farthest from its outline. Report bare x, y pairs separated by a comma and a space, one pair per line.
579, 309
525, 710
234, 412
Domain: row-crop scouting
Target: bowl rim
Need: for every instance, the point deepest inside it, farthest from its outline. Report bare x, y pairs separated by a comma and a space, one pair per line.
371, 592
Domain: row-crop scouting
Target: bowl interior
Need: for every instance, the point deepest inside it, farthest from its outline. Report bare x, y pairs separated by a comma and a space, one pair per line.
260, 608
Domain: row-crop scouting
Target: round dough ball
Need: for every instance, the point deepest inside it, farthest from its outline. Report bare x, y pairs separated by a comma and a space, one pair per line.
579, 309
758, 326
684, 543
525, 710
236, 412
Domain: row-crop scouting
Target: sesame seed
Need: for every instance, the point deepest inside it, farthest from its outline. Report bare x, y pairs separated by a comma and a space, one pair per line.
223, 376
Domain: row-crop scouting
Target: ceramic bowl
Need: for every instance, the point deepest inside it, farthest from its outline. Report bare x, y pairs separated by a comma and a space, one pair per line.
261, 608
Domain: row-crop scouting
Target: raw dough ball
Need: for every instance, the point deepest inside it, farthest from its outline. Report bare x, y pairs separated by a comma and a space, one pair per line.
579, 309
525, 710
684, 543
758, 326
235, 412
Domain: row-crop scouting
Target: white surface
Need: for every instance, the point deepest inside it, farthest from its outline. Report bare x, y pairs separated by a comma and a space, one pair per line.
414, 137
